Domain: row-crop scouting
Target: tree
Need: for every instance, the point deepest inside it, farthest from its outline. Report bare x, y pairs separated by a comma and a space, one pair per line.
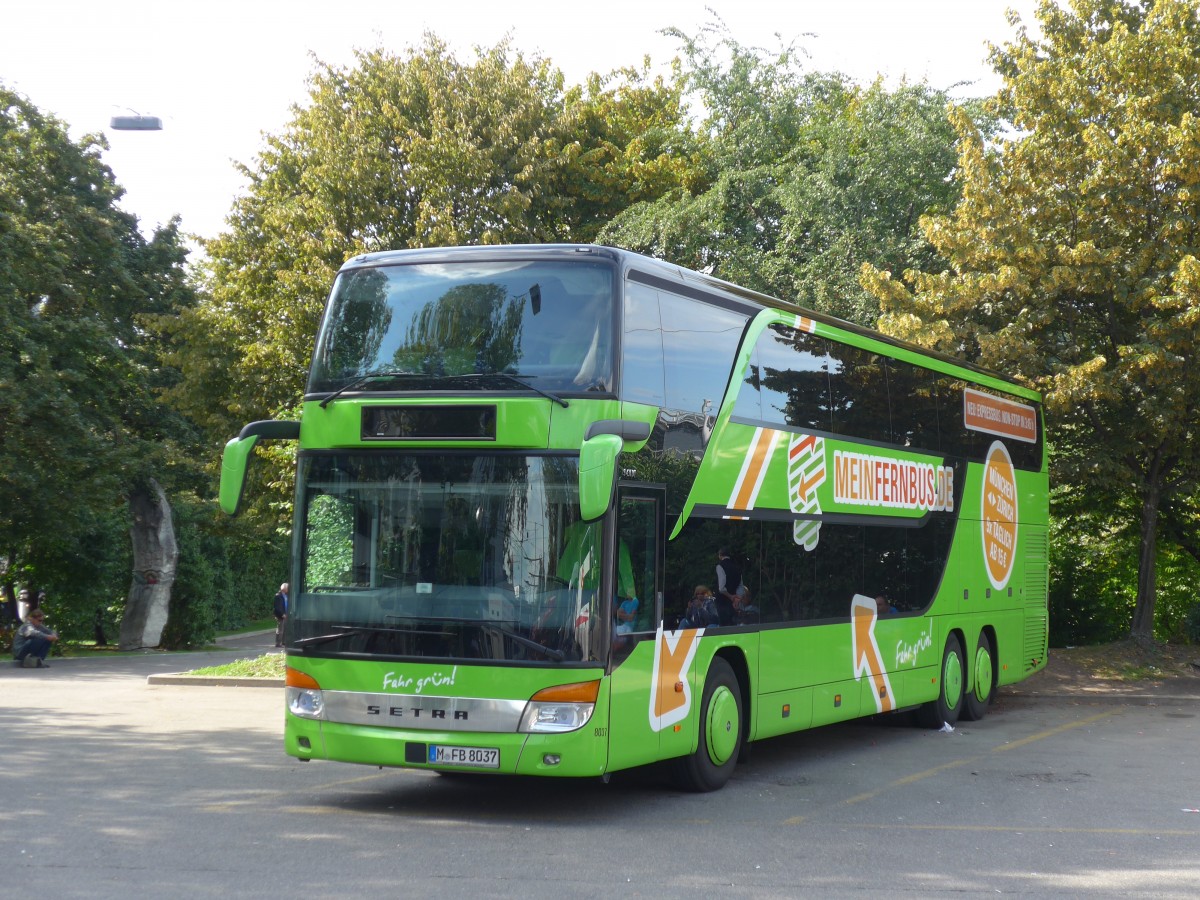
1072, 255
80, 428
805, 176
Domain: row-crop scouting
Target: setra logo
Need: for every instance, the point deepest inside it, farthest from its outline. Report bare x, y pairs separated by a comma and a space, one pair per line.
999, 514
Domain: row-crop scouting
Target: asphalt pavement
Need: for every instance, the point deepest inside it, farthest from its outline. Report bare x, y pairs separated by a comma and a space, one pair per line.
116, 785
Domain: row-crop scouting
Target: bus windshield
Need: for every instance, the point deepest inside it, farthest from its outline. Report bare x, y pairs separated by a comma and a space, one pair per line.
549, 322
446, 556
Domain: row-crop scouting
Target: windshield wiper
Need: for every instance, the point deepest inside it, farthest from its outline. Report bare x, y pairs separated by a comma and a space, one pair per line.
341, 631
518, 379
524, 641
359, 382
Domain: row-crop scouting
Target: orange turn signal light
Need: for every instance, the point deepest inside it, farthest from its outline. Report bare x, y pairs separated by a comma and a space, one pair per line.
296, 679
578, 692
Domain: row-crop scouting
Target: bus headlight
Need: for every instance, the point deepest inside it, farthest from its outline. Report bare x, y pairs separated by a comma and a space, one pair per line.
305, 703
304, 697
559, 709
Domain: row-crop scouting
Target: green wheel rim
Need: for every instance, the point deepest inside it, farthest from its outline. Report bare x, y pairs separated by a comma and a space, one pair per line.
952, 680
983, 674
721, 727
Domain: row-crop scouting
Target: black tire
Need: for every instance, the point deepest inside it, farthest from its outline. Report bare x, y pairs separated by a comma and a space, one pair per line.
720, 737
948, 705
979, 696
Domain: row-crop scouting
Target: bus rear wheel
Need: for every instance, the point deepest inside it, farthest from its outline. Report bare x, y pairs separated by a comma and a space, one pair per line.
946, 708
979, 697
720, 740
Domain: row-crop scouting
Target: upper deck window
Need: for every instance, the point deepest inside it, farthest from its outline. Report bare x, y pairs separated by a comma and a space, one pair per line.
549, 322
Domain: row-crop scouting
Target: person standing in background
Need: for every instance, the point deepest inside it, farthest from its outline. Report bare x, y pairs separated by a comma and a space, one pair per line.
281, 613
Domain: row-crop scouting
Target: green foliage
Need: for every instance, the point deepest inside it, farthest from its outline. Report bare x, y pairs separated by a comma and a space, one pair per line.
91, 577
79, 419
1178, 575
227, 576
83, 300
1072, 256
805, 177
330, 556
1093, 564
1093, 583
1191, 625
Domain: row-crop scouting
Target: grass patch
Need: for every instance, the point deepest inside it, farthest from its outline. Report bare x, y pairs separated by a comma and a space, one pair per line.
269, 665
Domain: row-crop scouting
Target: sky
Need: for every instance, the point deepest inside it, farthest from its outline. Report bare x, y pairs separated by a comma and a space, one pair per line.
222, 74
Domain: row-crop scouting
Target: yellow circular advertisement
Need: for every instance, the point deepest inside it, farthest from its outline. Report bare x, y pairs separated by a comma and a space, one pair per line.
999, 515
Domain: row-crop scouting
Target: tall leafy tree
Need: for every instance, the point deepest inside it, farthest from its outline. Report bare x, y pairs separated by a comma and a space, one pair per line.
420, 149
805, 176
1073, 256
79, 426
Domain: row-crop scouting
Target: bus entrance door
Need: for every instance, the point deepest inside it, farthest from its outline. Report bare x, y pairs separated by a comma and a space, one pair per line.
637, 611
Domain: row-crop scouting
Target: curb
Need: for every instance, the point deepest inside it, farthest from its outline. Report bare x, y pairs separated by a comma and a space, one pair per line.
213, 681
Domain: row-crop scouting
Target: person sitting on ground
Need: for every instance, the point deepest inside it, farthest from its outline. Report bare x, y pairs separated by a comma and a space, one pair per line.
33, 640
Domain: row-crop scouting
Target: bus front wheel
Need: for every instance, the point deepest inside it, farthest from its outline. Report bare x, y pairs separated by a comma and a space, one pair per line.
946, 708
720, 739
983, 676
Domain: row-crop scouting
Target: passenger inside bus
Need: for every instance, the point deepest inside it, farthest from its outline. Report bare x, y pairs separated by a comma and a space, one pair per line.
579, 563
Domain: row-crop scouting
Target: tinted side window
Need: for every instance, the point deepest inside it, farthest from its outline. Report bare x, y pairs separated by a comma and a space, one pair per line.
955, 439
699, 345
858, 388
885, 567
791, 584
642, 351
794, 378
926, 551
914, 406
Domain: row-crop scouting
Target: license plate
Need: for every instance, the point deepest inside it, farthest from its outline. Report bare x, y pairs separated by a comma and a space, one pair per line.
476, 757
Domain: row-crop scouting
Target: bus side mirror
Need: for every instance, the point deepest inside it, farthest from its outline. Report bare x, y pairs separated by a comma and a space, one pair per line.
234, 462
597, 474
602, 444
236, 458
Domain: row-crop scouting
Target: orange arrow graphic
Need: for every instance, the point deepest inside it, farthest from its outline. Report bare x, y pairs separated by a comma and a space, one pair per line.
867, 659
673, 654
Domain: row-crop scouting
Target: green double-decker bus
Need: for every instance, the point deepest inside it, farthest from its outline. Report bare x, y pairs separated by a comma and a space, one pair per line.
518, 466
